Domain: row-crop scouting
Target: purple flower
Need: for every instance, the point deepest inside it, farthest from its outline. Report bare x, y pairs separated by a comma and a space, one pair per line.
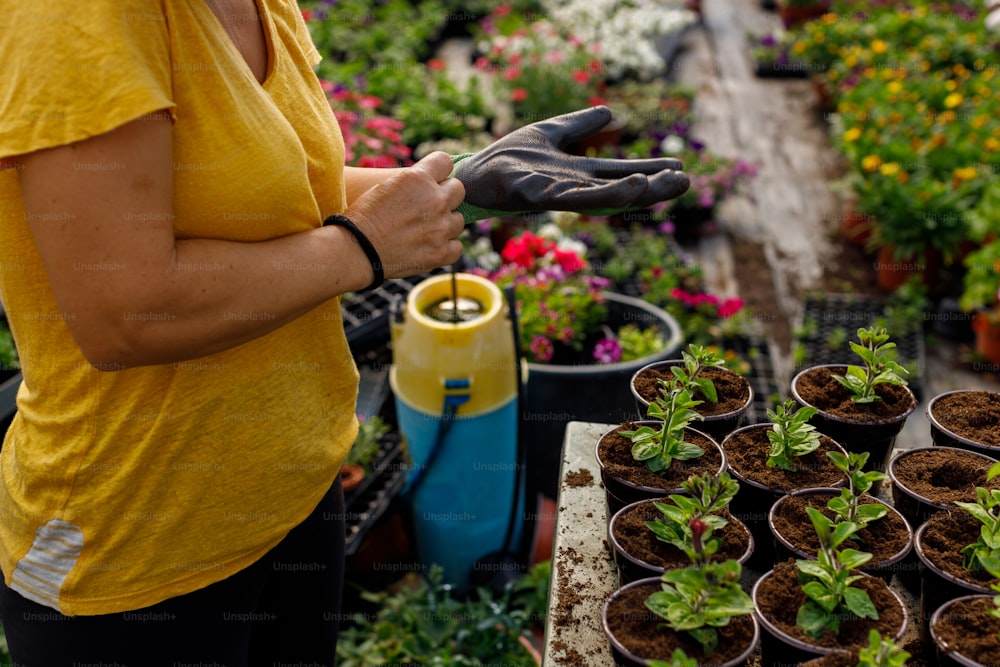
696, 146
667, 227
768, 40
607, 351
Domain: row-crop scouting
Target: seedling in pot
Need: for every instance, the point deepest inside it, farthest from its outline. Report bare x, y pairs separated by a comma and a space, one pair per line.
987, 510
658, 447
828, 579
992, 565
875, 350
677, 659
700, 598
881, 652
708, 495
848, 506
791, 435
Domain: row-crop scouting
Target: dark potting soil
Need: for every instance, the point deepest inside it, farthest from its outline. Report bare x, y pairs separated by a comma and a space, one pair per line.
945, 535
974, 415
969, 629
884, 539
780, 596
616, 455
632, 533
943, 476
732, 389
747, 453
818, 388
835, 659
579, 478
639, 630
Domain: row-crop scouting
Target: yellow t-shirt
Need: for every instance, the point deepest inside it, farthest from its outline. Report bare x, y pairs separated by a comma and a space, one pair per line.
120, 489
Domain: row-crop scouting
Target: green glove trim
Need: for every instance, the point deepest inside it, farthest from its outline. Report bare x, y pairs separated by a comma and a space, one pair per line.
472, 213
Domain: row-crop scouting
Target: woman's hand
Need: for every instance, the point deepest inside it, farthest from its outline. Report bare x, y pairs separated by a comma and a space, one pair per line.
410, 217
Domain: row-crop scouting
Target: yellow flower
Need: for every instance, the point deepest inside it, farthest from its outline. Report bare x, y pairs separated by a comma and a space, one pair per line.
852, 134
871, 162
889, 169
878, 46
979, 121
925, 66
894, 86
950, 84
992, 144
965, 173
851, 60
953, 100
869, 72
947, 117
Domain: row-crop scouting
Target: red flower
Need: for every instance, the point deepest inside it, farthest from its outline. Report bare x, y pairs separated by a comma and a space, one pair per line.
435, 64
569, 261
307, 15
580, 76
518, 95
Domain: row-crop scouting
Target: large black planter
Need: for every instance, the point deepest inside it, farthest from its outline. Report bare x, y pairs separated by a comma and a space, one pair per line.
559, 394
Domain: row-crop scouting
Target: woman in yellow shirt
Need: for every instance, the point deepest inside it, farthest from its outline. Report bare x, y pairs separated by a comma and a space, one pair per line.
168, 487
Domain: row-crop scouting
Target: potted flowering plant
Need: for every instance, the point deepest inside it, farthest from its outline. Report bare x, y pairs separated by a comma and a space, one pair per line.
981, 281
571, 334
540, 69
771, 56
371, 138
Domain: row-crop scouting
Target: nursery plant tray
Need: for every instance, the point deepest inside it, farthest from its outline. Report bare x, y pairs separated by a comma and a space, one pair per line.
758, 352
367, 503
828, 322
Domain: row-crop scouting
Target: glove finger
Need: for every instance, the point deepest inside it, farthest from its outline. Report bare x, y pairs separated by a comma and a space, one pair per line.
666, 185
612, 168
621, 193
569, 127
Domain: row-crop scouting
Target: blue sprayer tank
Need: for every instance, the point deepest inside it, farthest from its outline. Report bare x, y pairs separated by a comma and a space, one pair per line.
461, 484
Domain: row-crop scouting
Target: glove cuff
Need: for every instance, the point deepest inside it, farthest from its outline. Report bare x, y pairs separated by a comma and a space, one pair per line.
471, 212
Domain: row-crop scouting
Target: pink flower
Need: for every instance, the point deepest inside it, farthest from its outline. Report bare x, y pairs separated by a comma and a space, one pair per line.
518, 95
542, 348
435, 64
730, 307
555, 57
511, 73
607, 351
580, 76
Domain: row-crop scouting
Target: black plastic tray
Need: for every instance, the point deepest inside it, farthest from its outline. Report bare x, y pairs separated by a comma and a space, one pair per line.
366, 504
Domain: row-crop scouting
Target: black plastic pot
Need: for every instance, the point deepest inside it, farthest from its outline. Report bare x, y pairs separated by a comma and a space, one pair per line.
623, 656
946, 655
917, 508
875, 437
779, 649
619, 492
632, 568
752, 506
941, 436
559, 394
937, 586
883, 569
717, 426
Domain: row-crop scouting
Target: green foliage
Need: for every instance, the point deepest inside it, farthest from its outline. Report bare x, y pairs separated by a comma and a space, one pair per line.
992, 565
827, 580
366, 444
881, 652
707, 495
847, 506
426, 625
791, 435
677, 659
697, 600
658, 447
531, 592
987, 510
8, 353
879, 367
637, 342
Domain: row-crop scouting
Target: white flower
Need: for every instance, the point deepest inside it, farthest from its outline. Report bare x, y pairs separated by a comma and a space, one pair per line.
672, 145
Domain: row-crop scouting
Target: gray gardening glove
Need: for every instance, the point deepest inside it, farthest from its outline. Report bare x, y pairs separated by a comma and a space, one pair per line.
529, 170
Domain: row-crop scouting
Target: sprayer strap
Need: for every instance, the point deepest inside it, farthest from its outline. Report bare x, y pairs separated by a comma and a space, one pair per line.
366, 245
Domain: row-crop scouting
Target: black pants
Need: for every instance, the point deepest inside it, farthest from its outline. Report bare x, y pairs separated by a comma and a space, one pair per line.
283, 609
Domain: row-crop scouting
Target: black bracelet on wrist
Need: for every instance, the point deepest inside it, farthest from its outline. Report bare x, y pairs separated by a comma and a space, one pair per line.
366, 245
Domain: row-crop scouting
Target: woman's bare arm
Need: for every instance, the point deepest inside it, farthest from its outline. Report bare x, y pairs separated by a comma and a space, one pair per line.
138, 308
